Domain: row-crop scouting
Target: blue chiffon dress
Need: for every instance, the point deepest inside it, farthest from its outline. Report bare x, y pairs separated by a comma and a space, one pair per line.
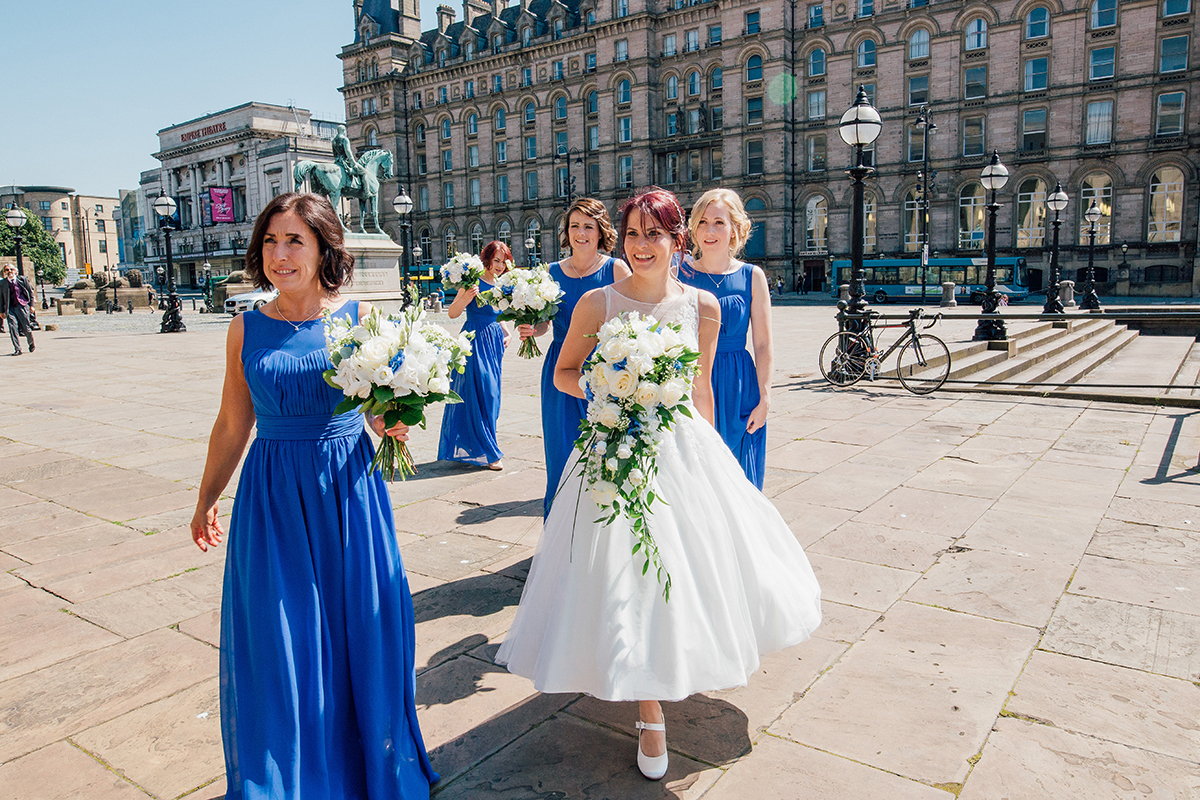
469, 427
734, 379
562, 413
318, 677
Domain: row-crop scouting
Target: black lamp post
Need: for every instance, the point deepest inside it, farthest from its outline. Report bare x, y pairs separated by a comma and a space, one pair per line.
403, 205
565, 155
172, 320
529, 244
42, 286
1056, 202
1091, 301
16, 219
859, 126
992, 329
208, 293
927, 127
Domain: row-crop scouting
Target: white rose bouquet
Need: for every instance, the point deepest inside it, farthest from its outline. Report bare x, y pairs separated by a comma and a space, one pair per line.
462, 271
636, 381
526, 297
393, 367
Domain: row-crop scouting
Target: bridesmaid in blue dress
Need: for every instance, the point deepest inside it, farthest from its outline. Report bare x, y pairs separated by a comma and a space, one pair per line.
590, 235
719, 228
469, 427
318, 677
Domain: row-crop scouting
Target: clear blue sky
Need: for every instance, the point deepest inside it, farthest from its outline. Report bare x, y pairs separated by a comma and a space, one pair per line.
97, 81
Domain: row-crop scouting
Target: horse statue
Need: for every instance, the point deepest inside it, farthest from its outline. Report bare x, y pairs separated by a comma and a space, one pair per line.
330, 179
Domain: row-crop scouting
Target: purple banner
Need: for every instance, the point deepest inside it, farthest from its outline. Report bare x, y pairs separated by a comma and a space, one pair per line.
221, 201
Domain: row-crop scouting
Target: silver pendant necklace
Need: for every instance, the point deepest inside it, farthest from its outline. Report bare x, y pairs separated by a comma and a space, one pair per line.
297, 325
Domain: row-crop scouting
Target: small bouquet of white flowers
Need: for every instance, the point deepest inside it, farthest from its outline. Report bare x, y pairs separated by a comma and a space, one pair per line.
393, 367
462, 271
636, 381
526, 297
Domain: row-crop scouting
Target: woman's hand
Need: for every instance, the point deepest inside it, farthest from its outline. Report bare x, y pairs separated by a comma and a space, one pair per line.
532, 330
758, 417
472, 293
399, 431
206, 528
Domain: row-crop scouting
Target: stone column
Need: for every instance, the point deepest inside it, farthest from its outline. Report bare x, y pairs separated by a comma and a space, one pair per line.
948, 300
1066, 293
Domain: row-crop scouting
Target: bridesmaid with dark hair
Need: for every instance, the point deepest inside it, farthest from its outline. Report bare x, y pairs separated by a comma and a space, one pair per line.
469, 427
590, 235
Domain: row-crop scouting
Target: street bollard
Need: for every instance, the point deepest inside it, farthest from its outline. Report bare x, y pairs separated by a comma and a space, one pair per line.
1066, 294
130, 306
844, 292
85, 308
948, 300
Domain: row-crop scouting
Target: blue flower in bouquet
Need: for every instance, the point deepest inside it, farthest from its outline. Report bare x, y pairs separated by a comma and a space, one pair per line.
397, 361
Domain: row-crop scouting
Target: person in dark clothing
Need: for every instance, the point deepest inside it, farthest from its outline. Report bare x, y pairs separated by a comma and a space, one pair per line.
16, 298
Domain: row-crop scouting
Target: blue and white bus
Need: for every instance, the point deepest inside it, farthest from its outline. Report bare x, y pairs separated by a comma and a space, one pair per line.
900, 278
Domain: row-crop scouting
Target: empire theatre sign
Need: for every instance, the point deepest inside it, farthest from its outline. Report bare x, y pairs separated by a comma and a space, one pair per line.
198, 133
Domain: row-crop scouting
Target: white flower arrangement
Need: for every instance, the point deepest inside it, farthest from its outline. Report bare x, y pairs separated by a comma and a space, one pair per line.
526, 297
462, 271
393, 367
636, 381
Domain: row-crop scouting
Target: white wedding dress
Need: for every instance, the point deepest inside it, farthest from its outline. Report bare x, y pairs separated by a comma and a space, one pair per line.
741, 586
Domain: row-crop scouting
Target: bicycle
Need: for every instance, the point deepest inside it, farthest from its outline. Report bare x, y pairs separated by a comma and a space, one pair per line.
922, 365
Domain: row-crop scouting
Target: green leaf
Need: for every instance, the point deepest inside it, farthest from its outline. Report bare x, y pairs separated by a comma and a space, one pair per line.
687, 412
646, 567
383, 394
453, 397
636, 547
347, 404
412, 416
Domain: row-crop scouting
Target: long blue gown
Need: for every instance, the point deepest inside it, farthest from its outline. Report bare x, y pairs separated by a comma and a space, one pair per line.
734, 379
318, 678
562, 413
469, 427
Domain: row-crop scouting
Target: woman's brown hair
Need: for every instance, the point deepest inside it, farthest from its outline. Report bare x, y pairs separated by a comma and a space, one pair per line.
337, 265
596, 210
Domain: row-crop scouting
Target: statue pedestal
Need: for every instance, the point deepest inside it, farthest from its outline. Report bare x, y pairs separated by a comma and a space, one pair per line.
376, 270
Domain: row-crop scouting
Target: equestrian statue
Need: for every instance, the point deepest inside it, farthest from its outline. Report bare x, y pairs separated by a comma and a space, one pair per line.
347, 177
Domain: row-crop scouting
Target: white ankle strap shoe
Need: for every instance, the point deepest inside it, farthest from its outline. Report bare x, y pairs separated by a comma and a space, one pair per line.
653, 768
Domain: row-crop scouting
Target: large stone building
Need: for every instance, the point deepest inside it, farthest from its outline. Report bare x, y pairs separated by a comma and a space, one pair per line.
497, 117
84, 226
238, 158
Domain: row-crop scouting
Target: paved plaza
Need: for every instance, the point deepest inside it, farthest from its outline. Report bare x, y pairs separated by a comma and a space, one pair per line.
1011, 593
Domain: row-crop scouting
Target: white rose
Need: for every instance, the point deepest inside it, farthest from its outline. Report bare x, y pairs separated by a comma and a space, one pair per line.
639, 363
503, 305
608, 415
636, 477
381, 375
604, 493
648, 394
624, 450
612, 464
673, 391
652, 344
439, 385
614, 349
624, 384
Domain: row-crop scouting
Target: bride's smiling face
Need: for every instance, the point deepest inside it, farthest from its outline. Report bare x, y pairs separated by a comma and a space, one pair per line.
648, 246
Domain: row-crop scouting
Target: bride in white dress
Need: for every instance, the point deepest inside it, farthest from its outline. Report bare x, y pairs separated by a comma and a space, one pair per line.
741, 586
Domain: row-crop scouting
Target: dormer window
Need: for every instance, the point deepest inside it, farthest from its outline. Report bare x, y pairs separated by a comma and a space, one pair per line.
558, 28
441, 58
526, 36
497, 42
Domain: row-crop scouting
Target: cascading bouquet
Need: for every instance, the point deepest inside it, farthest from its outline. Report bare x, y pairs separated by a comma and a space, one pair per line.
462, 271
526, 297
636, 381
393, 366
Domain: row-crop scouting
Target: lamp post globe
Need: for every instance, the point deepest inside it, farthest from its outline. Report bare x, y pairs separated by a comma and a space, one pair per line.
402, 204
1091, 300
1056, 202
529, 243
859, 127
172, 320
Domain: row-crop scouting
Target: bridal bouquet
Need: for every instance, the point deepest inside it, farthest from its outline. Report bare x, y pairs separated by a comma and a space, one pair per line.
525, 296
636, 381
393, 367
462, 271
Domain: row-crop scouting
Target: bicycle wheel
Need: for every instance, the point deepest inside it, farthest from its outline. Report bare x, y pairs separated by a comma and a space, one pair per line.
844, 358
923, 364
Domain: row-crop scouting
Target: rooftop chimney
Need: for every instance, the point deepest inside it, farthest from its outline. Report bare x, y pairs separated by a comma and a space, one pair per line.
445, 15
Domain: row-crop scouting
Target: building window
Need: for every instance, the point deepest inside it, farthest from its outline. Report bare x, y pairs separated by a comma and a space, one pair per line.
816, 16
44, 205
530, 113
560, 108
473, 155
531, 186
472, 124
589, 63
973, 139
560, 143
66, 223
1104, 13
103, 243
446, 129
443, 98
1036, 74
622, 8
714, 35
469, 89
971, 203
530, 147
422, 165
816, 153
866, 8
693, 83
716, 163
1031, 213
870, 239
977, 33
501, 119
447, 160
558, 28
497, 84
816, 224
527, 76
474, 190
625, 172
1099, 122
426, 246
816, 63
423, 199
912, 221
1033, 129
564, 184
672, 87
526, 36
691, 41
669, 44
671, 168
754, 157
501, 152
1037, 23
754, 68
752, 25
498, 42
451, 242
1096, 187
501, 188
693, 120
593, 178
447, 195
975, 83
918, 44
100, 226
672, 124
1173, 54
1102, 63
625, 129
476, 237
754, 110
866, 53
918, 90
504, 233
624, 92
1169, 120
916, 145
716, 80
622, 49
593, 137
717, 114
816, 105
1173, 7
1166, 206
557, 71
420, 133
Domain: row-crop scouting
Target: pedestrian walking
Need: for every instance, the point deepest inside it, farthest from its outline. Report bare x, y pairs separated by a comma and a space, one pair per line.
16, 298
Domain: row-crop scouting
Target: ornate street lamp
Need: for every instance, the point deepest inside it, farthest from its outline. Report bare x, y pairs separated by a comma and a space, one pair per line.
859, 126
565, 154
927, 127
42, 286
208, 293
1056, 202
992, 329
172, 320
529, 243
16, 220
1091, 301
403, 206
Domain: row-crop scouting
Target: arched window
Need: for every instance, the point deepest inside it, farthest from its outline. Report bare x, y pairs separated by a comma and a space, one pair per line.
420, 133
560, 108
816, 63
446, 128
1031, 213
870, 241
426, 246
754, 68
1104, 13
971, 204
451, 244
866, 53
672, 87
756, 243
362, 73
1037, 23
816, 223
715, 81
534, 231
912, 221
918, 44
593, 102
693, 83
372, 138
1098, 187
472, 124
977, 33
1165, 221
624, 95
476, 238
500, 119
530, 113
504, 234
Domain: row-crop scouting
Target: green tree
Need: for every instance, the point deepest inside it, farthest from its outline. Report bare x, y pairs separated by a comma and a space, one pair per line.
38, 250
